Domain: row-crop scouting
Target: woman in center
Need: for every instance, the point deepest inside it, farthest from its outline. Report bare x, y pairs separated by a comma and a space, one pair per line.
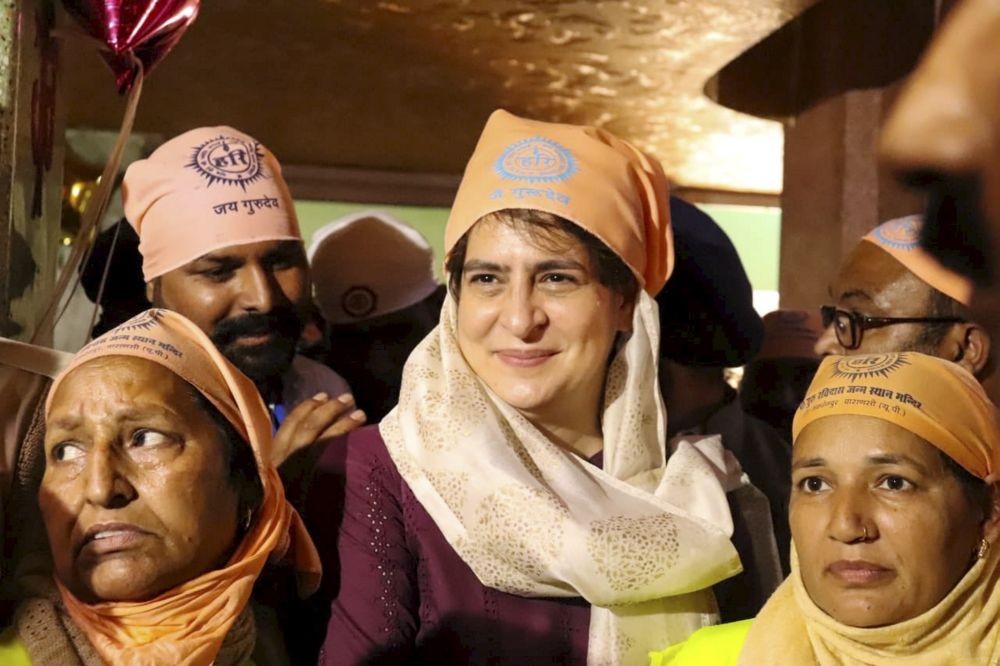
517, 506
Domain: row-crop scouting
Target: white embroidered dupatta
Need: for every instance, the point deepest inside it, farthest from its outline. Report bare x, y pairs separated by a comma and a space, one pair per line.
642, 540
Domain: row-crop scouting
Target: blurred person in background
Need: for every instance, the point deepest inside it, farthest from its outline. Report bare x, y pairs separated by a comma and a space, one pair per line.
709, 324
943, 136
112, 277
775, 380
375, 286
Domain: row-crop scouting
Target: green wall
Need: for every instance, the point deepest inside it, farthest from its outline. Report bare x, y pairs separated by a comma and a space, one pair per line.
755, 231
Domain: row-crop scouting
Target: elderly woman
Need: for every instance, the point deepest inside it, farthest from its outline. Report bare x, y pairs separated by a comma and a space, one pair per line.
516, 506
894, 514
160, 504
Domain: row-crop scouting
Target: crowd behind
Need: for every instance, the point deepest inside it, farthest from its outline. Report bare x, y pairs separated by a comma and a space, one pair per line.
274, 454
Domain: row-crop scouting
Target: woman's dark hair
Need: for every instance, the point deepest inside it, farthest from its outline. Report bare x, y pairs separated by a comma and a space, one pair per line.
239, 459
977, 492
549, 232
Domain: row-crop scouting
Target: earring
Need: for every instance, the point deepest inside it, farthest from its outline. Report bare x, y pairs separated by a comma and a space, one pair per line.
247, 519
983, 549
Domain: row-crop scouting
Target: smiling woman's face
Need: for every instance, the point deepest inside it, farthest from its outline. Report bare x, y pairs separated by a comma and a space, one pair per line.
136, 496
883, 529
535, 323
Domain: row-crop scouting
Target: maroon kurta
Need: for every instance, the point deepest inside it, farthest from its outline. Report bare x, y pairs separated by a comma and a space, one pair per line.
406, 596
403, 595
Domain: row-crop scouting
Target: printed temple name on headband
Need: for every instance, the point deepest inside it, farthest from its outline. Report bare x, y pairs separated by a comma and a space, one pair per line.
250, 204
831, 392
126, 341
523, 192
863, 368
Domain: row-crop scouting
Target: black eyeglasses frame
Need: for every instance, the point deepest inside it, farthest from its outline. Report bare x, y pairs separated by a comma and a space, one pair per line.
859, 323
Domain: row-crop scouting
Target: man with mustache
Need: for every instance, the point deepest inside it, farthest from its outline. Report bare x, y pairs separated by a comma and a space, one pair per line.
944, 136
221, 245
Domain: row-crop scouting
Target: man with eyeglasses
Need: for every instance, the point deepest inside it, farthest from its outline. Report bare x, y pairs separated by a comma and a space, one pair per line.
891, 295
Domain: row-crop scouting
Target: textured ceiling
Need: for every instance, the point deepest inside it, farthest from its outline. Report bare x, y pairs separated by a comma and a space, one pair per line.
407, 84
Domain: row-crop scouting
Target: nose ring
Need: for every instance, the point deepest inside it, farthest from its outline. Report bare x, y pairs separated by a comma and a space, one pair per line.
865, 529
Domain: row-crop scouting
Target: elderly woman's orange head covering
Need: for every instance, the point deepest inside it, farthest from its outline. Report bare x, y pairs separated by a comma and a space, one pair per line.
187, 624
582, 174
934, 399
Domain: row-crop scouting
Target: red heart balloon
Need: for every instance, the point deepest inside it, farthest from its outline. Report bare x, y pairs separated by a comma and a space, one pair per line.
145, 29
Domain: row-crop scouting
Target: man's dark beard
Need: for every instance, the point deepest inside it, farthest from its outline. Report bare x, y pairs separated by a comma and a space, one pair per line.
955, 229
263, 364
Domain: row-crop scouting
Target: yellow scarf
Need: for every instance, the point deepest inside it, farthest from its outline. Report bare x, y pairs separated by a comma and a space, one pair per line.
961, 630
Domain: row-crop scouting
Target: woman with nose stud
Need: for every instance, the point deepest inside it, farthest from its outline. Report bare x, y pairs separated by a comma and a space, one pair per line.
895, 517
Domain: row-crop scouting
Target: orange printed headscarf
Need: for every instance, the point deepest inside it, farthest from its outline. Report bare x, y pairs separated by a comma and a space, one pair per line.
187, 624
943, 404
583, 174
934, 399
209, 188
901, 239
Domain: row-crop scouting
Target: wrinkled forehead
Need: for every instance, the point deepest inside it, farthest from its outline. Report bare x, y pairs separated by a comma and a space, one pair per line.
121, 379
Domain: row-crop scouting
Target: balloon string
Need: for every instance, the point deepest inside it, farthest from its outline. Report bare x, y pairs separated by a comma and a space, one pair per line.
92, 215
104, 281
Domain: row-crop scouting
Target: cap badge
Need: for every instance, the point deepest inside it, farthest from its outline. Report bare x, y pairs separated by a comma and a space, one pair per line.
228, 160
536, 160
863, 367
902, 234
